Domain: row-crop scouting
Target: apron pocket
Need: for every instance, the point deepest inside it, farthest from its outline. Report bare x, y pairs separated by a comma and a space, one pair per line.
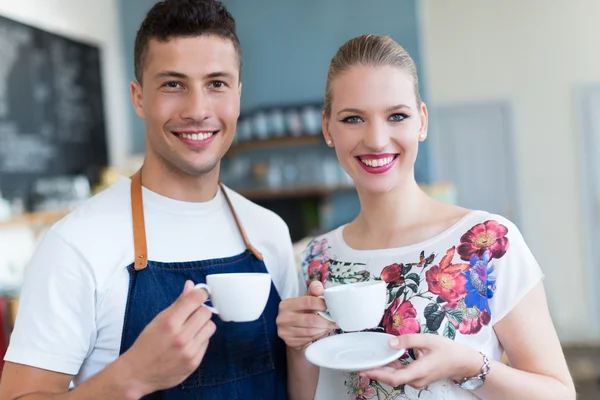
237, 350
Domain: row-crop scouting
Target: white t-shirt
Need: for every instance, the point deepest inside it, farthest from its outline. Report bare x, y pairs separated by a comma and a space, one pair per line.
72, 302
437, 278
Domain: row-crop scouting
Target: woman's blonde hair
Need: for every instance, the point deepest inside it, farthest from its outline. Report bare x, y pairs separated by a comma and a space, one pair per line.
369, 50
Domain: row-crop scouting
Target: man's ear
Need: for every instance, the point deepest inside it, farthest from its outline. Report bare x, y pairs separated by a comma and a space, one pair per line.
136, 97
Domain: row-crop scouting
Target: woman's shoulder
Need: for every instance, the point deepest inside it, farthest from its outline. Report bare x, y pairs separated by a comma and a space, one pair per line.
485, 225
327, 238
485, 233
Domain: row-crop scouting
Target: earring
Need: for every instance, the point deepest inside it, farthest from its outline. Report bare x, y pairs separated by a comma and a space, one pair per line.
422, 136
329, 142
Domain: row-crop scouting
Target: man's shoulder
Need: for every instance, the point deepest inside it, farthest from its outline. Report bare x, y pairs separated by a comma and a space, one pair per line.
103, 212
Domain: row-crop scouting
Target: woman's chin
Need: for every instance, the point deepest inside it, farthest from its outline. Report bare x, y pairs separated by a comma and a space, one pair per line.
376, 187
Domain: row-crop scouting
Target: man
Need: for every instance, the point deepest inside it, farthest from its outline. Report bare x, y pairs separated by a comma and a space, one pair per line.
108, 300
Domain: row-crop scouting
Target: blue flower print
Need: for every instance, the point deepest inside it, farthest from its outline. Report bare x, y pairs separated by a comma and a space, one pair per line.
480, 283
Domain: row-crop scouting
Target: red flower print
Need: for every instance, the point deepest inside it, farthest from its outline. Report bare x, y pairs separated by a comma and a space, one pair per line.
318, 270
319, 249
392, 274
446, 279
365, 391
399, 318
487, 236
473, 319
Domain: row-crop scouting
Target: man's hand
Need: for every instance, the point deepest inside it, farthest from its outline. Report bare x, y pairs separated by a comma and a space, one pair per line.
172, 346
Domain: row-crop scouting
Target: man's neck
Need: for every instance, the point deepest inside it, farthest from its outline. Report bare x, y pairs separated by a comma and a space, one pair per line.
177, 185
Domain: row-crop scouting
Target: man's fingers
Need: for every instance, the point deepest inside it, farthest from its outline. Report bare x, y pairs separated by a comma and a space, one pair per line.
188, 287
187, 303
205, 333
195, 322
199, 343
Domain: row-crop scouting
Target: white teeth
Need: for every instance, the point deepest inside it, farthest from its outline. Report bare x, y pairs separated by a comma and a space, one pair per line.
379, 162
196, 136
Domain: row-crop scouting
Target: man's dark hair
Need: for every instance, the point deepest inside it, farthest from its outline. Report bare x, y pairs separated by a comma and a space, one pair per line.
183, 18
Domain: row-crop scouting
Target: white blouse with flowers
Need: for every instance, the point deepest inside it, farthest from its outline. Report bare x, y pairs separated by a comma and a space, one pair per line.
457, 284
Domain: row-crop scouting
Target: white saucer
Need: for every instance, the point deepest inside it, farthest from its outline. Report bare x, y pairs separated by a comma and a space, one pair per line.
353, 352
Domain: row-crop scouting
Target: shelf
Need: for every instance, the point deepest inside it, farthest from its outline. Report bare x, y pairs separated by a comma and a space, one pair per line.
283, 141
34, 218
296, 191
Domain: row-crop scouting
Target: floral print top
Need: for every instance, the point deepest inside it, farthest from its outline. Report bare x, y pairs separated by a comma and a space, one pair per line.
457, 284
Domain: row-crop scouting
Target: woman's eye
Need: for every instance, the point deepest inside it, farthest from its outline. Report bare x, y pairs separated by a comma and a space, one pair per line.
351, 120
398, 117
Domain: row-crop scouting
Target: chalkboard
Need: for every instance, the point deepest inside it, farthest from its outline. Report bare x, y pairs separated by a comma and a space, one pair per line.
51, 111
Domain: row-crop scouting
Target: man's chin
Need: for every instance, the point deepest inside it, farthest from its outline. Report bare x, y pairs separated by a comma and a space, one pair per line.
197, 169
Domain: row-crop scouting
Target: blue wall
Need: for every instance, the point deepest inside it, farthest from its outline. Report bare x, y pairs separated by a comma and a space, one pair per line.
132, 13
287, 46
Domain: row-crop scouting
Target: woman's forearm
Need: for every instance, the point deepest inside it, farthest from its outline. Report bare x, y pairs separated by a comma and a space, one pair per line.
302, 376
504, 382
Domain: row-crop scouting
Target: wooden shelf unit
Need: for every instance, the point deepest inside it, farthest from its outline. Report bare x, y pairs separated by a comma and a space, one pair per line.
275, 142
34, 218
296, 191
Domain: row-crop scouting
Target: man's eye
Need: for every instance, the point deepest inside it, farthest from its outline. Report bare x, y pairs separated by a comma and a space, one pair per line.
172, 85
218, 84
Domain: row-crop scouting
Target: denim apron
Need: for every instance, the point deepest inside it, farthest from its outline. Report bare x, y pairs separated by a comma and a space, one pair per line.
243, 360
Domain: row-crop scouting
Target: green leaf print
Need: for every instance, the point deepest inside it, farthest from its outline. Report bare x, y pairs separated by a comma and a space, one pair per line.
430, 309
414, 277
450, 330
425, 329
400, 292
347, 272
434, 321
405, 269
455, 314
413, 287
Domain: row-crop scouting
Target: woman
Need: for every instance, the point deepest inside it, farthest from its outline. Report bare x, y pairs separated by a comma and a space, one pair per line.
465, 277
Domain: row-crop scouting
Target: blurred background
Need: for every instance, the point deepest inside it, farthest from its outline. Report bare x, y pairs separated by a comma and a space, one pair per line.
513, 90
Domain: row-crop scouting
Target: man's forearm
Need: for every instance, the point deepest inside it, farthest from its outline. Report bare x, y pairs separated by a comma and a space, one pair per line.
302, 376
114, 382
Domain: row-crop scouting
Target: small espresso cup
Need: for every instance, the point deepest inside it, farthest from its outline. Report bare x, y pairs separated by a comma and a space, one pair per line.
237, 297
355, 306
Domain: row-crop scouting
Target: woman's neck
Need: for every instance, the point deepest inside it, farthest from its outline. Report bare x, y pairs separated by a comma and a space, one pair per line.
404, 216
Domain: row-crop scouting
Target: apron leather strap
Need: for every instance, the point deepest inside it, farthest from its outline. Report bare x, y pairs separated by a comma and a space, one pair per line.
139, 229
249, 246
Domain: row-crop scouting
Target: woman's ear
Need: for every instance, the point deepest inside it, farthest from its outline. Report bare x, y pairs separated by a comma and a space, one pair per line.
424, 122
325, 128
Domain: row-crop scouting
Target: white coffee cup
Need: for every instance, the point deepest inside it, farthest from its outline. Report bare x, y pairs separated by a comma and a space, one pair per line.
237, 297
355, 306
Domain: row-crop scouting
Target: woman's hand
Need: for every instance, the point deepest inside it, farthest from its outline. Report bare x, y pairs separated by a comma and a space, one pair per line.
298, 323
437, 358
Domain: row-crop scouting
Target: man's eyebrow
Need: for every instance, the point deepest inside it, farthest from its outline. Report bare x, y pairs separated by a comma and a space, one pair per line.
170, 74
